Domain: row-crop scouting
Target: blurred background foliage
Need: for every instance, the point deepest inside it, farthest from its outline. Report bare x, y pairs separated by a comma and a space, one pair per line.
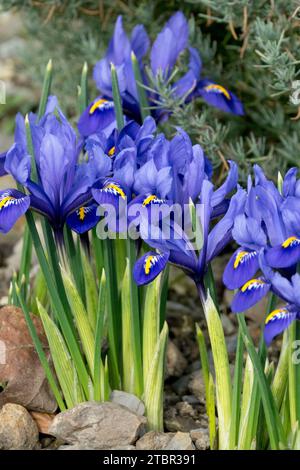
249, 46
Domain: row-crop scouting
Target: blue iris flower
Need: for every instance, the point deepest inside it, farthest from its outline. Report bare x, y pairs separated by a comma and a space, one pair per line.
62, 188
178, 184
288, 290
169, 44
268, 235
2, 163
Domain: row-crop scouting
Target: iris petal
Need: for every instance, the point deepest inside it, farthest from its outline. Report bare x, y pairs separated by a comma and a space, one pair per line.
250, 293
112, 193
83, 219
149, 266
218, 96
13, 204
99, 116
241, 267
285, 255
278, 321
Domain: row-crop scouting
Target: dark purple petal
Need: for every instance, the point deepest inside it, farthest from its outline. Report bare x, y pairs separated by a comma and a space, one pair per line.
218, 96
249, 294
149, 266
241, 267
13, 204
2, 163
278, 321
98, 117
83, 219
111, 194
285, 255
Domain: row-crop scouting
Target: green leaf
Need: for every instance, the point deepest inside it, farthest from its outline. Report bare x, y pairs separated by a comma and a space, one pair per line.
83, 89
209, 386
153, 393
81, 319
64, 366
142, 95
117, 98
91, 291
237, 391
58, 307
45, 90
40, 351
151, 324
271, 413
99, 373
221, 364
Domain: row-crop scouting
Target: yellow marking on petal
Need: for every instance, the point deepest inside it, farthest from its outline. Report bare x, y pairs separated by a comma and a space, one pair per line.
149, 199
289, 241
251, 283
239, 258
97, 105
148, 264
219, 88
117, 189
81, 213
274, 313
5, 200
112, 151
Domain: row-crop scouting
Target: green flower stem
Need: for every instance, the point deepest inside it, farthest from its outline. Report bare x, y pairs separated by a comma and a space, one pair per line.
142, 95
210, 285
117, 98
83, 89
297, 375
135, 318
26, 256
164, 295
45, 90
97, 248
74, 261
98, 365
113, 312
237, 393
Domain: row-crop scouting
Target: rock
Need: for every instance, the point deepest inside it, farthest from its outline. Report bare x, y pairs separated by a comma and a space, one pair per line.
180, 387
86, 447
227, 324
43, 421
20, 368
196, 385
185, 409
129, 400
170, 397
18, 431
95, 425
174, 422
201, 438
154, 440
181, 441
191, 399
176, 362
